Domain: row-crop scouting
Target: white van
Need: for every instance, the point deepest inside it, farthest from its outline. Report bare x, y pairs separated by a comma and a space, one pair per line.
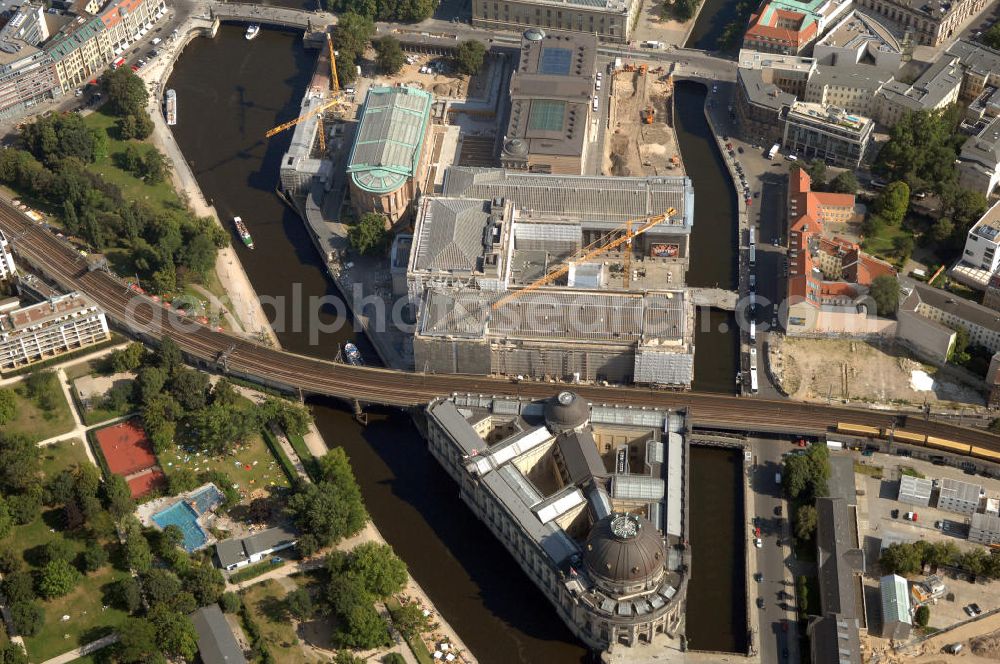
595, 103
791, 157
156, 40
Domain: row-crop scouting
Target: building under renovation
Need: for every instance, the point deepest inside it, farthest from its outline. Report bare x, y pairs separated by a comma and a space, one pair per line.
551, 102
590, 500
38, 332
558, 333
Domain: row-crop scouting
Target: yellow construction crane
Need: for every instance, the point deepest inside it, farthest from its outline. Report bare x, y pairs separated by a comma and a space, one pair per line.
305, 116
334, 81
594, 249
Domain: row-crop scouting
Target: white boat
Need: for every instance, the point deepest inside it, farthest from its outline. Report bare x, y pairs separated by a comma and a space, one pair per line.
252, 31
170, 106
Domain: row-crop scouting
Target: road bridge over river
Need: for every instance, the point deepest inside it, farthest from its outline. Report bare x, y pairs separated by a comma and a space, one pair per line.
269, 15
149, 320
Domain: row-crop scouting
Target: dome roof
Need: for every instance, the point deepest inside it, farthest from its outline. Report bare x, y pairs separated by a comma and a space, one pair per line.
516, 148
534, 34
566, 411
624, 549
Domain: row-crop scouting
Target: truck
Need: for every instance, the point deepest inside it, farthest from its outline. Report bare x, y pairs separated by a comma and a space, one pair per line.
652, 44
773, 152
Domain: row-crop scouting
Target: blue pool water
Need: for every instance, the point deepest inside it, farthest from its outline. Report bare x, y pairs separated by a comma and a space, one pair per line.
207, 499
184, 517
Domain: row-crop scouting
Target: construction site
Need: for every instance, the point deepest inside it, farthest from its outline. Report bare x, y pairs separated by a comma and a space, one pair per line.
641, 138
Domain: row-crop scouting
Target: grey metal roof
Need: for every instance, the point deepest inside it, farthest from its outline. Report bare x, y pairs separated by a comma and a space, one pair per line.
389, 140
451, 235
761, 93
984, 148
976, 57
839, 558
959, 490
895, 599
915, 489
216, 643
675, 484
268, 539
614, 317
446, 412
579, 197
229, 551
663, 366
834, 640
579, 453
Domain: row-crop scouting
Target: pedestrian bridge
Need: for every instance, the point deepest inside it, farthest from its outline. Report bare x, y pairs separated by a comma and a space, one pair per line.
713, 297
268, 15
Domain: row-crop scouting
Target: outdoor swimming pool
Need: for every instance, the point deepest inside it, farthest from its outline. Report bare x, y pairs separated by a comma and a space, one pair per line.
181, 514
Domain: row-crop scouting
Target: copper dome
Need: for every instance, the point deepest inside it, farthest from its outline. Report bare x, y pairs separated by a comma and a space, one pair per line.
624, 549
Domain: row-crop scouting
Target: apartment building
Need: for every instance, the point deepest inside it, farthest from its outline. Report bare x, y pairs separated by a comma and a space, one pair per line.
850, 87
827, 133
38, 332
856, 38
982, 242
985, 529
7, 269
27, 76
979, 159
928, 318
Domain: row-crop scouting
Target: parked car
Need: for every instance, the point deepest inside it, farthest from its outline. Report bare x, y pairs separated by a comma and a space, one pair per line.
756, 194
968, 611
911, 516
937, 524
975, 608
758, 577
760, 602
758, 542
895, 514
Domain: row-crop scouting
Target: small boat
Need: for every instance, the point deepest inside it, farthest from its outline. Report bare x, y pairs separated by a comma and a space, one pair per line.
170, 106
353, 355
241, 228
252, 31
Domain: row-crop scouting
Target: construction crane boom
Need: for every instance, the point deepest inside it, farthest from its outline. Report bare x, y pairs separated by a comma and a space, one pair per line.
305, 116
589, 252
334, 81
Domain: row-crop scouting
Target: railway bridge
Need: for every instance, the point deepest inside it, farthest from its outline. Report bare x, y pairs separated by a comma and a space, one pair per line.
149, 320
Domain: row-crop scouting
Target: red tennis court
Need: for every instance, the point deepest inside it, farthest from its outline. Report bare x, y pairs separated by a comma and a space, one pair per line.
126, 448
140, 485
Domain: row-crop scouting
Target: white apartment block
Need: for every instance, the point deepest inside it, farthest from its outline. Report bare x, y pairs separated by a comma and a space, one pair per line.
985, 529
959, 497
982, 242
41, 331
7, 269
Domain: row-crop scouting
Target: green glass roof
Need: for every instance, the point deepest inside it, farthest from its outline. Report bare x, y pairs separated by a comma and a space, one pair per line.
389, 140
547, 115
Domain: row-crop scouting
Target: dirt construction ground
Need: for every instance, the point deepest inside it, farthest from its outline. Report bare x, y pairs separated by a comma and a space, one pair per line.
982, 646
633, 147
822, 369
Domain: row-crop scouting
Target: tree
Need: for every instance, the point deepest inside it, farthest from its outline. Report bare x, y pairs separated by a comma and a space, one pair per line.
291, 417
19, 466
175, 633
27, 617
6, 520
368, 235
410, 620
389, 55
205, 582
469, 56
12, 653
331, 509
128, 358
959, 353
393, 658
58, 578
149, 383
10, 560
19, 587
160, 585
126, 92
230, 602
138, 642
844, 183
8, 406
126, 595
154, 166
362, 628
885, 292
805, 522
683, 10
94, 557
992, 36
299, 604
351, 36
893, 202
137, 126
817, 173
138, 556
118, 497
942, 229
903, 245
59, 136
922, 615
900, 559
378, 568
190, 388
58, 549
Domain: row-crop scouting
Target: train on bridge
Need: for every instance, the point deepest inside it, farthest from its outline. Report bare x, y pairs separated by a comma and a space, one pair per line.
919, 439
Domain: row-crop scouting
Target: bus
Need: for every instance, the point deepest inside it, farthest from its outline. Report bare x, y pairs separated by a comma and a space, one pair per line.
773, 152
753, 255
751, 236
753, 332
753, 381
753, 359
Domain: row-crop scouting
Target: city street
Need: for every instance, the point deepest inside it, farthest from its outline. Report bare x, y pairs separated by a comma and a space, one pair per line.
776, 587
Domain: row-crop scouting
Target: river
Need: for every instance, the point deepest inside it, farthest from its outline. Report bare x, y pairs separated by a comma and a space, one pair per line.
230, 92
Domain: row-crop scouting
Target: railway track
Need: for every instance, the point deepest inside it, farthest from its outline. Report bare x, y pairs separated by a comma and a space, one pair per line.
139, 314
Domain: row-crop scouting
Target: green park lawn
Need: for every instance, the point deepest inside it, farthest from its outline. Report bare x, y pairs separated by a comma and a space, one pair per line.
160, 195
62, 455
88, 620
263, 601
881, 246
35, 423
264, 471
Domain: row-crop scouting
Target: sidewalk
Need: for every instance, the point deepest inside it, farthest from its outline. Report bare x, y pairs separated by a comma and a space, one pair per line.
85, 649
